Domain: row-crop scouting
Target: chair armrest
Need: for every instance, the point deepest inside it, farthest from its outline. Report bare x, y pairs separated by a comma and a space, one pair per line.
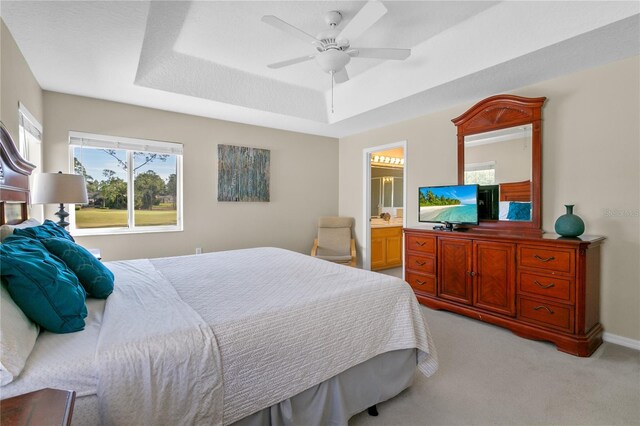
353, 253
315, 247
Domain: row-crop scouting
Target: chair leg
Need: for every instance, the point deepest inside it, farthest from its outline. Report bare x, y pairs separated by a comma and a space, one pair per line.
373, 411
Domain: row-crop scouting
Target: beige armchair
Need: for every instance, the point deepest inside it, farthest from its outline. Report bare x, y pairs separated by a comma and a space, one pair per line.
334, 242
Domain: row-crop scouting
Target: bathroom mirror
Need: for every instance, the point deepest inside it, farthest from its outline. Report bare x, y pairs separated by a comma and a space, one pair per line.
386, 193
499, 148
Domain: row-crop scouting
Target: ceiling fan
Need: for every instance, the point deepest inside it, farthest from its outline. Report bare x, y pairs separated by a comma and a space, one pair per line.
334, 45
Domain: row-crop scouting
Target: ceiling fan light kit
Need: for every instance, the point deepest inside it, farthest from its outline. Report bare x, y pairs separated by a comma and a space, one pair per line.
332, 60
334, 45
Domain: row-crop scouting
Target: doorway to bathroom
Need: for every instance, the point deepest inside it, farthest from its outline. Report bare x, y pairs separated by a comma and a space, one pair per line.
384, 207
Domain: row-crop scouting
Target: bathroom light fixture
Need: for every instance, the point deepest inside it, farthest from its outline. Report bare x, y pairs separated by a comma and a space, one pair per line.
383, 161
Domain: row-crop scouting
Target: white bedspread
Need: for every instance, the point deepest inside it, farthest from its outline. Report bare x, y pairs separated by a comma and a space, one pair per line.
285, 322
157, 360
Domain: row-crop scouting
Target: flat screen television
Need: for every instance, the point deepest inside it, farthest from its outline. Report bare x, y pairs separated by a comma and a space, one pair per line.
449, 205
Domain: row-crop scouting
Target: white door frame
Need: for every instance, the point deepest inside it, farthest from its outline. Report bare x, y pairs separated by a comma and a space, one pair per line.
366, 213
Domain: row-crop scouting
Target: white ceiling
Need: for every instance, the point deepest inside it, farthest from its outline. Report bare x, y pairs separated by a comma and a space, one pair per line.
209, 58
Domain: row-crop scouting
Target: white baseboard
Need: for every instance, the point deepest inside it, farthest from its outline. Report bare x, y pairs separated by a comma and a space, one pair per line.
622, 341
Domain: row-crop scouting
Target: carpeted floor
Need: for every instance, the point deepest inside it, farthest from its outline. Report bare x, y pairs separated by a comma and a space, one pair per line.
490, 376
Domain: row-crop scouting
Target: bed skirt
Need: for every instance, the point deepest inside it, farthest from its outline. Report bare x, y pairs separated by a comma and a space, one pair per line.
333, 401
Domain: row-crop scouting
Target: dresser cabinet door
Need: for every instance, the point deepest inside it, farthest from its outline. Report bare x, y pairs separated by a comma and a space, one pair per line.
454, 269
495, 277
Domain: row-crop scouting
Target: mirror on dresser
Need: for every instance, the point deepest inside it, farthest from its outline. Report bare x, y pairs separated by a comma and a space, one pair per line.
500, 162
499, 148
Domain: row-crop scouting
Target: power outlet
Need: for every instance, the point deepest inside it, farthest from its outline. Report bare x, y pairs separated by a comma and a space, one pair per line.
198, 250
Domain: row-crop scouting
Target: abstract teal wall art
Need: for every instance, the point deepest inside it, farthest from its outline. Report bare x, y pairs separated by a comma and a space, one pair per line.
243, 173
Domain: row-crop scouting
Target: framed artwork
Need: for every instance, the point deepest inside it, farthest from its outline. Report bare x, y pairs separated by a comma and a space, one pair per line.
243, 173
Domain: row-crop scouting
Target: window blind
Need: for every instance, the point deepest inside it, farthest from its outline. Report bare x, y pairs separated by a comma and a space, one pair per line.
29, 127
475, 167
113, 142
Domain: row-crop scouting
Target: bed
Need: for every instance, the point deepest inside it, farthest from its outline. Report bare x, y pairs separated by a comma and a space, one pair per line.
515, 201
254, 336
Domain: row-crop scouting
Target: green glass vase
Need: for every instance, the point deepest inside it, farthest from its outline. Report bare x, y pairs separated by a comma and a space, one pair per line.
569, 225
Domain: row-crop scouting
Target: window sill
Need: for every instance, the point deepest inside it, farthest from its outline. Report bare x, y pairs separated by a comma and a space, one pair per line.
123, 231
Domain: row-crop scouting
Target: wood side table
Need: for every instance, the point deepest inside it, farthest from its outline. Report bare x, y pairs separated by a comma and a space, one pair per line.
42, 407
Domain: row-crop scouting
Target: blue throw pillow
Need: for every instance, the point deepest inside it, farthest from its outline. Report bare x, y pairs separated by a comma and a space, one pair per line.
48, 229
96, 279
42, 285
519, 211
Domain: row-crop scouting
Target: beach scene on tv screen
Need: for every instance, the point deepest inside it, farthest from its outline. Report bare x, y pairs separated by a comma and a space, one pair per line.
456, 204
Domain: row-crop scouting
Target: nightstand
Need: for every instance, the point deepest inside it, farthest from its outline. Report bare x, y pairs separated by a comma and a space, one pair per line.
46, 406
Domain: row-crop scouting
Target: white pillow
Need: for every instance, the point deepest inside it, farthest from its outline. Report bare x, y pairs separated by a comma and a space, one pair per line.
503, 210
6, 230
18, 335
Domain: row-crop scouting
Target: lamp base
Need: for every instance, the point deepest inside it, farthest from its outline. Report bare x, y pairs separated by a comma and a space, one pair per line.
62, 215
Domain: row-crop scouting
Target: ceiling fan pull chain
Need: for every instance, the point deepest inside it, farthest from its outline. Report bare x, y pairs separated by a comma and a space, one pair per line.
331, 76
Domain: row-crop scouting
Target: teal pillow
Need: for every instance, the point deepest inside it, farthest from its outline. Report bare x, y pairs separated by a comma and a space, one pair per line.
42, 285
48, 229
96, 279
519, 211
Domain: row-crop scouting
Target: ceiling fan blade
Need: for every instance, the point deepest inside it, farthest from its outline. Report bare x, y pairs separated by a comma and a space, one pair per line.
379, 53
366, 17
341, 76
289, 29
291, 62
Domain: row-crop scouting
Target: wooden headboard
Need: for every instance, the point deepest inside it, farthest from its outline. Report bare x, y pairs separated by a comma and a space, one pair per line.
14, 181
515, 191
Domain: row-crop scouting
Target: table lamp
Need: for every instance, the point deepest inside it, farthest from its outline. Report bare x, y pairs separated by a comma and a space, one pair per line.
59, 188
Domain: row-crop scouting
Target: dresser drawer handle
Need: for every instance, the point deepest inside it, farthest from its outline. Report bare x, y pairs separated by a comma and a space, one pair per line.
420, 282
420, 263
420, 243
537, 308
544, 259
536, 282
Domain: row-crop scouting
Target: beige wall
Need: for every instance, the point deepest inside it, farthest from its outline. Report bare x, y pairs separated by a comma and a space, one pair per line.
304, 177
591, 157
17, 84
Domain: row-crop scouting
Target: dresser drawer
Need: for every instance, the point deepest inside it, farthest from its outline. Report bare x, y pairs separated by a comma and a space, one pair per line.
423, 264
548, 286
422, 283
546, 313
548, 259
421, 244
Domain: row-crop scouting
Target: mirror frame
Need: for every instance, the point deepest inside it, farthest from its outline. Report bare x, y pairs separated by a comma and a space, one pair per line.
500, 112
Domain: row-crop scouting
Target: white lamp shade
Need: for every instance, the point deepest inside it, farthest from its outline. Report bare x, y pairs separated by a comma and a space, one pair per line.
54, 188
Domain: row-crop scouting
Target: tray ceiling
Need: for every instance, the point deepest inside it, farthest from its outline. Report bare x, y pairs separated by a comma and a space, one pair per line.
209, 58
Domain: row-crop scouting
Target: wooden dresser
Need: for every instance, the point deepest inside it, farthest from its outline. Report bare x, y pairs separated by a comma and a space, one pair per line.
539, 287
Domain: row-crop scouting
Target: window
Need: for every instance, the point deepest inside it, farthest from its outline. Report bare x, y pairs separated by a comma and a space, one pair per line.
133, 185
30, 147
480, 173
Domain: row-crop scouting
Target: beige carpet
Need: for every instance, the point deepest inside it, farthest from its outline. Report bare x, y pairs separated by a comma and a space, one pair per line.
490, 376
